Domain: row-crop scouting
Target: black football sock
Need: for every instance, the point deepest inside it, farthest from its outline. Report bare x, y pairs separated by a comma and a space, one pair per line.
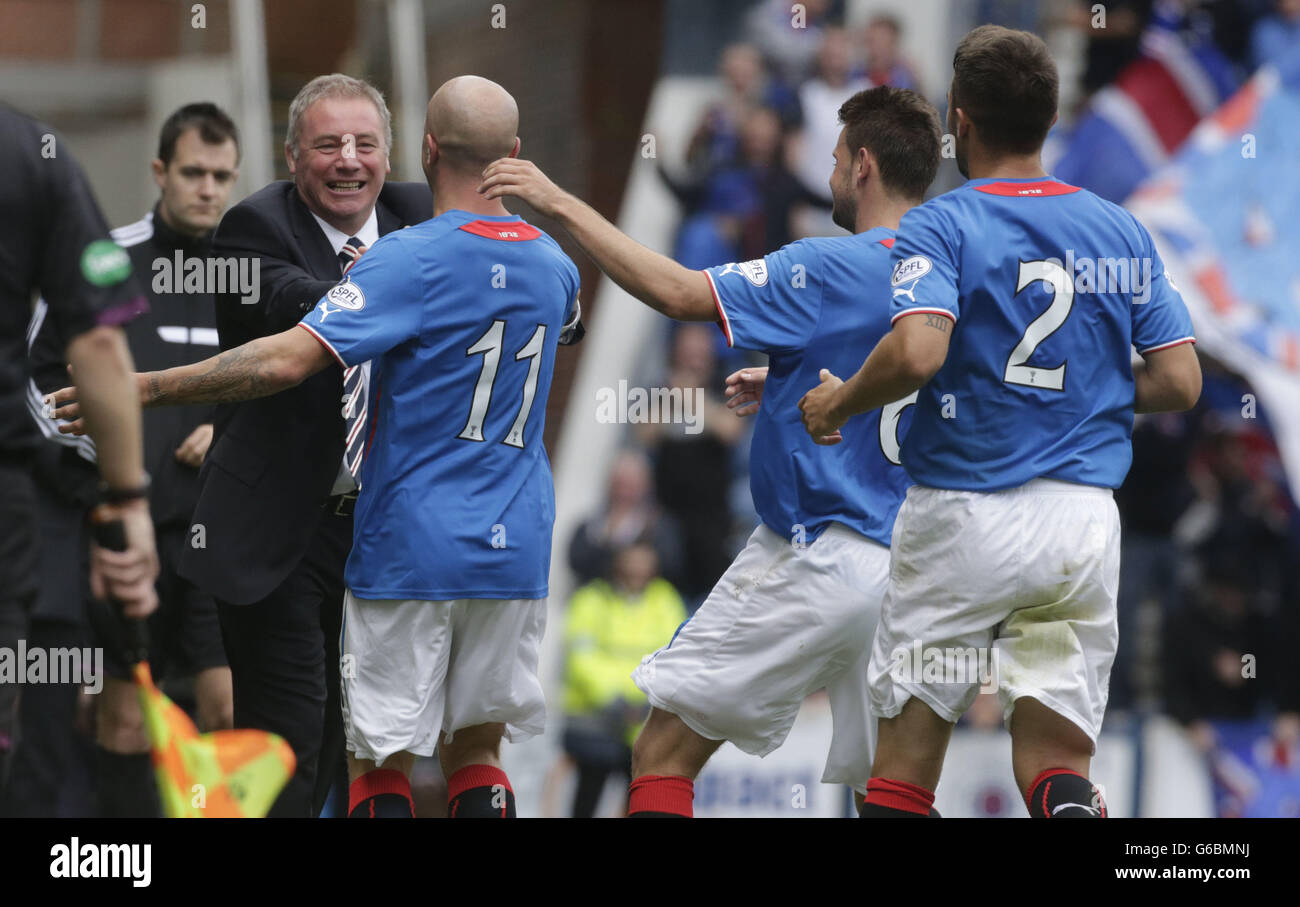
1060, 793
382, 793
480, 792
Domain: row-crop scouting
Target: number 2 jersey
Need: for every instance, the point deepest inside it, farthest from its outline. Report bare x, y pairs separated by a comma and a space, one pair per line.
459, 316
1049, 288
813, 304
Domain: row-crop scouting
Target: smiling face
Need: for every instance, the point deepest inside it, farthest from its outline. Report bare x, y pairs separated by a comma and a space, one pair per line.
341, 160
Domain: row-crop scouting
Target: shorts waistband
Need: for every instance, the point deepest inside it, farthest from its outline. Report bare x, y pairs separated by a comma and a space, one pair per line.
1037, 486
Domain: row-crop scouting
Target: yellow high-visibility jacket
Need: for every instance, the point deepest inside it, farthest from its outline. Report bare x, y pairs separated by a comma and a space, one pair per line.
606, 636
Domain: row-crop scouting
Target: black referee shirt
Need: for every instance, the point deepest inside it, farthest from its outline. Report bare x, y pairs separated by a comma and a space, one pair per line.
53, 242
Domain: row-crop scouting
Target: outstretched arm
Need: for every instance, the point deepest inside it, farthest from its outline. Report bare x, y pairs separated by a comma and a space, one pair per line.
655, 279
259, 368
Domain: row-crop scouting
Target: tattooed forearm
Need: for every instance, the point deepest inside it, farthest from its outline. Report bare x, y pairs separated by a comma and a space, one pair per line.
239, 374
938, 321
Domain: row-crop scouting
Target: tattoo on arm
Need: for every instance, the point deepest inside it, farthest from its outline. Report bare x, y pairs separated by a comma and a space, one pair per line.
938, 322
238, 374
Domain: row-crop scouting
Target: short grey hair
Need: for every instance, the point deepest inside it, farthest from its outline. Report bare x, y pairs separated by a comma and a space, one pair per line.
336, 85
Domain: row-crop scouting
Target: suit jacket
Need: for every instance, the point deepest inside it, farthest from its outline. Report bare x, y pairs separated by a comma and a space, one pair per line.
273, 461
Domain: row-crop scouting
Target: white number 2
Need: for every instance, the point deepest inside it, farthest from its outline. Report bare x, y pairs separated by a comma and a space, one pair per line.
490, 346
1042, 327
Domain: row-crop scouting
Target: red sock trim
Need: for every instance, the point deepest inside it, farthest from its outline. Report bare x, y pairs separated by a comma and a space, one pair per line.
661, 794
472, 776
1051, 773
910, 798
378, 781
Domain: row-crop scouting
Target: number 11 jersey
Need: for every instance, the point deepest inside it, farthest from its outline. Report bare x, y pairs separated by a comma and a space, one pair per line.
1049, 288
460, 317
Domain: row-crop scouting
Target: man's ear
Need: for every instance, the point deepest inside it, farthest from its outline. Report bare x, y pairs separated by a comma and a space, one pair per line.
289, 158
159, 172
430, 149
863, 162
515, 151
964, 123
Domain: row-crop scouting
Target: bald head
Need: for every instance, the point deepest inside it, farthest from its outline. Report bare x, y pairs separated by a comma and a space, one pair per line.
473, 121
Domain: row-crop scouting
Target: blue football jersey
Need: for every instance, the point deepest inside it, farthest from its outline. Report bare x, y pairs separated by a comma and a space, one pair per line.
1050, 288
814, 304
459, 316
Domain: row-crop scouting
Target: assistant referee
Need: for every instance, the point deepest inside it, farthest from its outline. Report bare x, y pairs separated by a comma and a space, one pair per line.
54, 241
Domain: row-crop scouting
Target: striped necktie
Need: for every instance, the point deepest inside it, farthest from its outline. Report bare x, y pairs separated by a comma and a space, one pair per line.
354, 387
350, 252
354, 419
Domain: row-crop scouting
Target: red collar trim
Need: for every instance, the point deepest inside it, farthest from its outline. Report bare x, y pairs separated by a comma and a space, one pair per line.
503, 230
1040, 189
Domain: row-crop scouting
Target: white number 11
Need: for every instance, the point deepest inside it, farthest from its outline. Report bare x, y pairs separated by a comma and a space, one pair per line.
490, 346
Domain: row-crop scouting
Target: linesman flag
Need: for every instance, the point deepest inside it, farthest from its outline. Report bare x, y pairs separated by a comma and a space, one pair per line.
227, 774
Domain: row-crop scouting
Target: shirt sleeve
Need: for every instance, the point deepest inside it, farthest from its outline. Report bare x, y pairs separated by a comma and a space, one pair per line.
1160, 317
771, 303
572, 331
924, 276
377, 308
85, 277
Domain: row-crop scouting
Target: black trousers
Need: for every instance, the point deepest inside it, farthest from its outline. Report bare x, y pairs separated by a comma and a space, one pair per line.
284, 665
19, 566
50, 772
596, 755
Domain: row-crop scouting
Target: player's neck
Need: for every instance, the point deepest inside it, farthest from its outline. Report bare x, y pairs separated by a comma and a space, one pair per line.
1006, 166
462, 195
880, 212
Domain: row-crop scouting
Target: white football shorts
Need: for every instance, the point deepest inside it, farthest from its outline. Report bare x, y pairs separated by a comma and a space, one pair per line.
783, 622
1014, 589
414, 669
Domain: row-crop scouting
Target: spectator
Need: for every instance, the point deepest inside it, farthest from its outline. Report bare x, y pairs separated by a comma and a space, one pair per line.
610, 626
744, 210
630, 516
779, 192
1154, 497
713, 235
885, 65
820, 99
789, 44
746, 84
1208, 641
1113, 45
693, 463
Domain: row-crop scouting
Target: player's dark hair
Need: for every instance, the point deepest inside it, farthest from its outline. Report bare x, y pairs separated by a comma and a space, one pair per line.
1007, 84
214, 127
901, 130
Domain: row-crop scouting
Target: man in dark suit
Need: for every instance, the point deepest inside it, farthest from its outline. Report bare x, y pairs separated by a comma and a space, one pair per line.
273, 525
